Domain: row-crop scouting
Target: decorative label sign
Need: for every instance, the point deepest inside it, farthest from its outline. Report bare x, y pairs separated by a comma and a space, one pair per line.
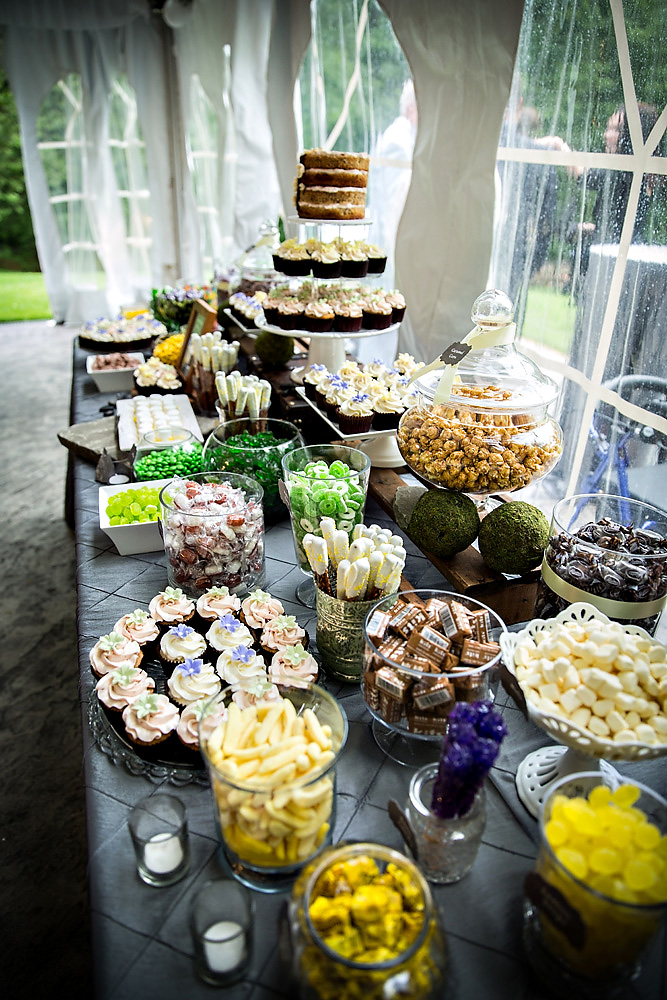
454, 353
553, 904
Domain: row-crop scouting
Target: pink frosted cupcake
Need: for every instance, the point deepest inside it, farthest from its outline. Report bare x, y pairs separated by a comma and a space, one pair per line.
280, 633
150, 719
293, 667
112, 651
117, 689
198, 719
261, 692
227, 632
258, 608
171, 607
192, 680
139, 626
215, 602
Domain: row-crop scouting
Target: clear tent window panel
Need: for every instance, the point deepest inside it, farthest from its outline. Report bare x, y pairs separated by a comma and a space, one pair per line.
204, 167
580, 233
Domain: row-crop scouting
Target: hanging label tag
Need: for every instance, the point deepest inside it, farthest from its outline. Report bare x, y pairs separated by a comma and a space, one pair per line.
454, 353
402, 824
553, 904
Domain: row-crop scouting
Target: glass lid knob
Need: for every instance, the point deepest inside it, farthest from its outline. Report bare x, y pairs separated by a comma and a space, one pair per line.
492, 308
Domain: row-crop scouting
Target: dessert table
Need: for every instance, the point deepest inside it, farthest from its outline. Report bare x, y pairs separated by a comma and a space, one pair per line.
141, 938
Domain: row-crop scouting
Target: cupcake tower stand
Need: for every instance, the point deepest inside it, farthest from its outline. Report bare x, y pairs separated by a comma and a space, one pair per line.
329, 349
577, 749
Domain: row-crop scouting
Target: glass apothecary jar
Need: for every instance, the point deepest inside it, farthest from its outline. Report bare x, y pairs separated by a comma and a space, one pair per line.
254, 448
166, 452
491, 432
363, 922
609, 551
594, 903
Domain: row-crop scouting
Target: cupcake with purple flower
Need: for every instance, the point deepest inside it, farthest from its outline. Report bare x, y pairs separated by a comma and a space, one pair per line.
192, 680
355, 415
239, 666
228, 633
178, 643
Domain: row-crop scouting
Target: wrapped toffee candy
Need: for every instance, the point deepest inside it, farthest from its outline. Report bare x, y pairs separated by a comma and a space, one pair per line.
610, 552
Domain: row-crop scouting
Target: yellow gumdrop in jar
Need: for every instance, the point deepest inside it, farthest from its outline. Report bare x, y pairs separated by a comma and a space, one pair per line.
609, 861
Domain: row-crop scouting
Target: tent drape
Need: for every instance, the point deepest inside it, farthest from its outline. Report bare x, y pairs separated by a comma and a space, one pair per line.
461, 55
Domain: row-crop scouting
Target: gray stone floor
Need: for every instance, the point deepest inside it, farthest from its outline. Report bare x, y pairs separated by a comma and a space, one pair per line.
43, 837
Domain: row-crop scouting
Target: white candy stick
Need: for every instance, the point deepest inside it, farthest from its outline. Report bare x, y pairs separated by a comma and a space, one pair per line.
232, 387
241, 400
253, 404
328, 527
221, 386
356, 579
318, 557
382, 575
394, 577
360, 547
358, 531
375, 560
343, 567
265, 400
341, 547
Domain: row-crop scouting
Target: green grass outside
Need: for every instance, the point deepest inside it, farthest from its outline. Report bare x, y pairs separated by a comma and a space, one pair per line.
23, 296
549, 319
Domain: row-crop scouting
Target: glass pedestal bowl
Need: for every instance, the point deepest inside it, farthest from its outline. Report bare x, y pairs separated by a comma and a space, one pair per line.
410, 706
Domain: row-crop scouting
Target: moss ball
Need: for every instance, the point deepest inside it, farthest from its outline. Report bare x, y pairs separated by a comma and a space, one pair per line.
513, 537
444, 522
274, 350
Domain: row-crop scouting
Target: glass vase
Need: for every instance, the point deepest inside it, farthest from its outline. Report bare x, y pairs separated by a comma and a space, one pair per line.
444, 849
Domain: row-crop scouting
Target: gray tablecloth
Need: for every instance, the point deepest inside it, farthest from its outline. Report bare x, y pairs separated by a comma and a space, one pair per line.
141, 938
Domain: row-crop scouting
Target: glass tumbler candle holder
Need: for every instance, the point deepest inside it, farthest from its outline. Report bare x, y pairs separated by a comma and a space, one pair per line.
273, 820
254, 448
221, 922
159, 830
327, 480
610, 552
213, 531
586, 934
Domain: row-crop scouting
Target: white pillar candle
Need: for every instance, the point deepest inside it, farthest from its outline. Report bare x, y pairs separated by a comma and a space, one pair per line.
163, 853
224, 946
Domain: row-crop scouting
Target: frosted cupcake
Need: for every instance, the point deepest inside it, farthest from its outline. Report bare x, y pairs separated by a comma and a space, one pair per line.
313, 376
191, 680
139, 626
112, 651
261, 692
228, 633
171, 607
387, 410
282, 632
258, 608
318, 316
150, 719
214, 602
355, 415
240, 666
293, 667
117, 689
178, 644
199, 718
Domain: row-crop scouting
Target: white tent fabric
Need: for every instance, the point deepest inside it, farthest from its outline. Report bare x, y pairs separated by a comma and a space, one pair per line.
35, 59
464, 48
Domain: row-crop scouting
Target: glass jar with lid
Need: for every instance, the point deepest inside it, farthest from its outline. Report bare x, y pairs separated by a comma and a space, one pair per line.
481, 426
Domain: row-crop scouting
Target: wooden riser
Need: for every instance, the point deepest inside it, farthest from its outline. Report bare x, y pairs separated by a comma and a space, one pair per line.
512, 598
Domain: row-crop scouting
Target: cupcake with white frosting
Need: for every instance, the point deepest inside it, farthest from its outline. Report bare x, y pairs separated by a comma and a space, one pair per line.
192, 680
228, 633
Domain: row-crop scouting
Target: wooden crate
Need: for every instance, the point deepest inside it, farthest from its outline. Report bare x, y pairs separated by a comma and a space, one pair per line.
512, 598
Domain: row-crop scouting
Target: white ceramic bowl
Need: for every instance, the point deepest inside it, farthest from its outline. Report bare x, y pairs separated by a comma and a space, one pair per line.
115, 379
131, 538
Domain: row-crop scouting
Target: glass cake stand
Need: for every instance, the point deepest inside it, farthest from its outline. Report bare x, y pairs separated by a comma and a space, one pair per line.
577, 749
328, 348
